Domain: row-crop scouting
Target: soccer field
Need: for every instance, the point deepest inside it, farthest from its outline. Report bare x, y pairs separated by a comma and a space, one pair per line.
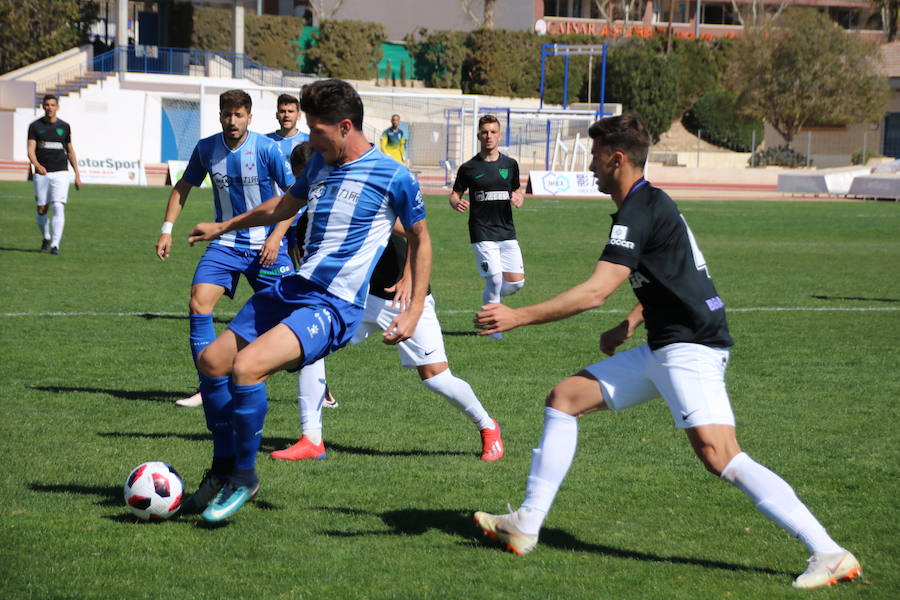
95, 351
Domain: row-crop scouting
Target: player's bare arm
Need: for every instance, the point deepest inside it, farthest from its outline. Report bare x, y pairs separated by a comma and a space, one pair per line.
269, 252
273, 210
177, 198
404, 325
32, 157
607, 276
403, 288
458, 203
73, 160
615, 337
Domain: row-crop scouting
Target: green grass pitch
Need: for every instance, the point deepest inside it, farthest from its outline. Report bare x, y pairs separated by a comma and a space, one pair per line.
94, 352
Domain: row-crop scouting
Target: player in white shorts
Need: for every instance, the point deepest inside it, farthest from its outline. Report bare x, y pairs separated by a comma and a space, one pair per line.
684, 360
50, 152
492, 180
424, 351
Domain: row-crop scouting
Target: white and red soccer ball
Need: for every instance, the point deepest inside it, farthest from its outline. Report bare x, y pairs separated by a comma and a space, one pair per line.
153, 491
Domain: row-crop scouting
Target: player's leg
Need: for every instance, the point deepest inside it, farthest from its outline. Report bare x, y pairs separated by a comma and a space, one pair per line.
487, 261
41, 185
513, 267
58, 194
312, 390
692, 380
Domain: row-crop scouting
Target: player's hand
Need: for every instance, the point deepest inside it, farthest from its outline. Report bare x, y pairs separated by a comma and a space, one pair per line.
495, 318
77, 183
401, 328
461, 205
612, 339
402, 294
517, 199
163, 245
269, 252
40, 170
203, 232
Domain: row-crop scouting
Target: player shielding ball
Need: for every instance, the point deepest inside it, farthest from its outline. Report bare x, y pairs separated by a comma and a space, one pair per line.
684, 359
354, 194
492, 180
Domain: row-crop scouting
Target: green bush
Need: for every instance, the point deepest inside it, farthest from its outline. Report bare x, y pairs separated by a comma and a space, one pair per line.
347, 49
715, 117
269, 39
780, 156
501, 63
699, 65
644, 82
438, 56
857, 157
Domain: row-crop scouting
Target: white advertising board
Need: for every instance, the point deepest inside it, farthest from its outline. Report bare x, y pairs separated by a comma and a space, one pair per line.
176, 170
108, 170
564, 183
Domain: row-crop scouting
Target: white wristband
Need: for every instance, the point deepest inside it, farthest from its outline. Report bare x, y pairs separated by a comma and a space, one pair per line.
167, 228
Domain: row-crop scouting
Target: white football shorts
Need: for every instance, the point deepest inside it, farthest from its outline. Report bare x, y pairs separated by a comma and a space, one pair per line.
52, 187
498, 257
689, 377
425, 347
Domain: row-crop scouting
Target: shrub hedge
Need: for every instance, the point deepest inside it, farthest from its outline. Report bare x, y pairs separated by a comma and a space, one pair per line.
715, 117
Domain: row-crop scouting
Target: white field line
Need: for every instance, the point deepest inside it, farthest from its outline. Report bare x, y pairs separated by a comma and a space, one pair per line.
151, 314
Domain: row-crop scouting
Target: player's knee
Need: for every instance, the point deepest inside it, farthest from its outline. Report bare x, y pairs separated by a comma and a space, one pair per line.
42, 210
715, 458
212, 363
246, 370
511, 287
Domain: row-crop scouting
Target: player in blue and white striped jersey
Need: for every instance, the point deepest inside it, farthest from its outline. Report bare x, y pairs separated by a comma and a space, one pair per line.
244, 167
288, 136
354, 193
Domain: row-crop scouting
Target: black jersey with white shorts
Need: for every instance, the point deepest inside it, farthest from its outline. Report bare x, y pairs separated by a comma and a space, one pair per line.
51, 140
669, 274
490, 185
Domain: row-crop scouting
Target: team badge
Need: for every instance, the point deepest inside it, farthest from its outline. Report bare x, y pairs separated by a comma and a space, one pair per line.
60, 131
504, 173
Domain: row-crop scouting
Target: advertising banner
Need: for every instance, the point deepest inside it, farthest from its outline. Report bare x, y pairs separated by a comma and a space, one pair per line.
114, 171
176, 170
563, 183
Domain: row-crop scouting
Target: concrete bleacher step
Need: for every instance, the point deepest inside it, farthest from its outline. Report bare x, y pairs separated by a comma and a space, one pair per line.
72, 85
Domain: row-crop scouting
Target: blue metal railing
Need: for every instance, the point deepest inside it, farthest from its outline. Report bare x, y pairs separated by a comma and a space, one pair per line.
184, 61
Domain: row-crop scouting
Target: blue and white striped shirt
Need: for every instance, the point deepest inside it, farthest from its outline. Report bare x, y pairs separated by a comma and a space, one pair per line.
352, 209
242, 179
287, 145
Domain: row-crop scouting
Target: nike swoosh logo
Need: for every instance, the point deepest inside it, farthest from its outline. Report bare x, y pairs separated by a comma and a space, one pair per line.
479, 176
432, 352
836, 565
685, 416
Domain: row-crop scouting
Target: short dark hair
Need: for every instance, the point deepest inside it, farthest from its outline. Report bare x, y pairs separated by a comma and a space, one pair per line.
288, 99
50, 97
332, 101
488, 119
623, 133
235, 99
299, 156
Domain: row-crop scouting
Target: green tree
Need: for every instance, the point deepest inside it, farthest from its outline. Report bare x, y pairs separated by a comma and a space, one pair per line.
347, 49
33, 30
644, 82
804, 70
438, 56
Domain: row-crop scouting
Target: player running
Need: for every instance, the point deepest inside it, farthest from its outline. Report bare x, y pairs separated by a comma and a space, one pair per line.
492, 179
244, 167
684, 360
354, 194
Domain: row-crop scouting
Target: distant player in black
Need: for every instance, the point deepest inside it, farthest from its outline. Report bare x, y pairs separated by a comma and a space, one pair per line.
50, 152
492, 180
684, 360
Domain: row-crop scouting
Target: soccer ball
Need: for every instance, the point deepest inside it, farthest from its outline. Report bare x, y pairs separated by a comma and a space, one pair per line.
153, 491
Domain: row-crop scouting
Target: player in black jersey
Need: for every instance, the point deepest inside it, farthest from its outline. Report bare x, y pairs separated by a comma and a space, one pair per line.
50, 152
684, 360
493, 183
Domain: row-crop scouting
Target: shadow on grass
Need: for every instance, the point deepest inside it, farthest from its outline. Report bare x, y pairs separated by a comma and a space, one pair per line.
472, 333
190, 437
6, 249
856, 298
147, 395
184, 317
109, 495
270, 444
413, 521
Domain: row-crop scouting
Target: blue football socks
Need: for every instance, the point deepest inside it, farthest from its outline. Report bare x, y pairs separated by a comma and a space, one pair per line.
203, 332
218, 406
250, 406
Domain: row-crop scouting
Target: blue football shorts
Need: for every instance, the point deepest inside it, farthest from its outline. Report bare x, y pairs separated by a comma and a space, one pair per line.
223, 265
323, 323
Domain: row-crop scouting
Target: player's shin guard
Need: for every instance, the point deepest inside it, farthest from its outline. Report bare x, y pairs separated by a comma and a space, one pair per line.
550, 462
492, 285
460, 394
58, 223
511, 287
218, 407
776, 499
202, 334
311, 391
249, 415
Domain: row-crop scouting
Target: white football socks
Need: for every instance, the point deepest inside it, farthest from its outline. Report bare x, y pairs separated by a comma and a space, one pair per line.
43, 224
492, 285
508, 288
311, 390
550, 462
776, 499
59, 222
459, 393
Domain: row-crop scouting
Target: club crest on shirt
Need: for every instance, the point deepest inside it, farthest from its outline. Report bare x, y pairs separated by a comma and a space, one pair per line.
504, 173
